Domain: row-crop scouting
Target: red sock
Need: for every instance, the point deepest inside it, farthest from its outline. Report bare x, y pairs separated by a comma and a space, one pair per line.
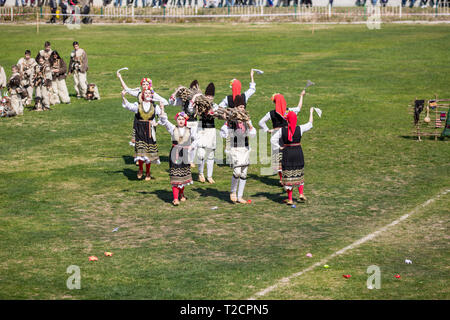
300, 189
147, 168
182, 192
175, 191
289, 192
141, 164
279, 173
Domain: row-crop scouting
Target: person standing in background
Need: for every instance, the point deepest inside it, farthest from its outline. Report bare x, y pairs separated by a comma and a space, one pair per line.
59, 69
15, 90
46, 52
26, 69
79, 66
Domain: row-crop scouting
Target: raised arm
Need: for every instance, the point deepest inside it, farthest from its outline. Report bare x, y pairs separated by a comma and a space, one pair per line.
127, 105
166, 123
252, 88
307, 126
224, 102
300, 103
132, 92
262, 122
157, 97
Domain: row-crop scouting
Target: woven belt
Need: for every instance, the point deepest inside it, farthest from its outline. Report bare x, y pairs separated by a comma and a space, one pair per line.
293, 145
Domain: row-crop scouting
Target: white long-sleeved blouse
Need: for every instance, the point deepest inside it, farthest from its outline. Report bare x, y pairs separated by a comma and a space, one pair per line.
262, 122
275, 140
156, 97
171, 127
251, 90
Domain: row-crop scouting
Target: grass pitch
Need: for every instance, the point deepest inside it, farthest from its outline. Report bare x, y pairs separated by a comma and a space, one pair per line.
68, 179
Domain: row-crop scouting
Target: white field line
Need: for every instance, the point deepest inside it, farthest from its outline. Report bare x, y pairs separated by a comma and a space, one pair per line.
355, 244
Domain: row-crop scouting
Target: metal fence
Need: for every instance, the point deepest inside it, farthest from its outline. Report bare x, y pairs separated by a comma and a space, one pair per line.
239, 13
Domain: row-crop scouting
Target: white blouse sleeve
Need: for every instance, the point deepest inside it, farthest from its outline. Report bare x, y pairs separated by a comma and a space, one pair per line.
224, 131
262, 122
305, 127
133, 92
158, 110
275, 140
296, 109
133, 107
166, 123
251, 132
251, 90
194, 137
157, 97
224, 102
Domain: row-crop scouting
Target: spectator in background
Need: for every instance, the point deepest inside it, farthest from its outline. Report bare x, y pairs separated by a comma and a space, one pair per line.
144, 4
53, 4
411, 3
374, 2
156, 3
64, 5
330, 2
360, 3
118, 3
24, 3
384, 2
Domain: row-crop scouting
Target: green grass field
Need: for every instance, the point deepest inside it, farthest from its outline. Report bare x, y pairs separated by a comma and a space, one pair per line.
68, 179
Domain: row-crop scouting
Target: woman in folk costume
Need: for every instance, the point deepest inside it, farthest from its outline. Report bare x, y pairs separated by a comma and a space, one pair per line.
278, 118
292, 161
183, 139
235, 86
185, 98
206, 145
136, 92
228, 101
146, 149
59, 70
239, 130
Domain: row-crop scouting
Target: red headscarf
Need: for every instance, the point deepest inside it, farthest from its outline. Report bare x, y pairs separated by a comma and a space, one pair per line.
182, 114
280, 104
235, 87
292, 124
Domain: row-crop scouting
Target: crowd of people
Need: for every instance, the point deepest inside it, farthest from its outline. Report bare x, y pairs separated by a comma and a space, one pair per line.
68, 6
193, 135
42, 81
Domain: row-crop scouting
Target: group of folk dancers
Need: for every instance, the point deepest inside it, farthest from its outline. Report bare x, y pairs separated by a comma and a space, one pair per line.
193, 133
45, 76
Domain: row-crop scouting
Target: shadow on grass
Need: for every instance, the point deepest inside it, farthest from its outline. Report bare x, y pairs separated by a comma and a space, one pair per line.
409, 137
210, 192
275, 197
130, 174
163, 194
128, 159
273, 181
